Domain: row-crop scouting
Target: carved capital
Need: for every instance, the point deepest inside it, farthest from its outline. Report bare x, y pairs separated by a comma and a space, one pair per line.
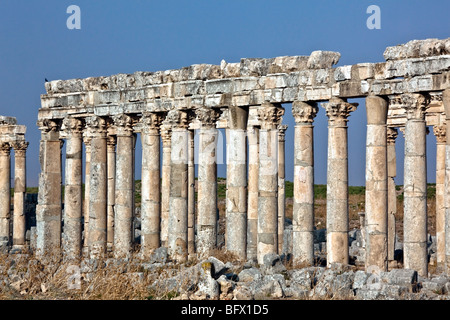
415, 105
95, 126
270, 115
48, 125
166, 133
282, 132
440, 133
123, 124
20, 148
72, 126
111, 142
304, 112
207, 116
5, 148
151, 121
392, 134
338, 110
177, 119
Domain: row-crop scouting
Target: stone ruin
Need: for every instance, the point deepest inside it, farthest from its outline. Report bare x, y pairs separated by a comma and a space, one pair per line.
409, 91
12, 136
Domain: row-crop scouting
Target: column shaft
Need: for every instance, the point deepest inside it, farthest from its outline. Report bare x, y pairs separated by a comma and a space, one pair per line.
281, 186
415, 186
446, 100
124, 186
111, 161
440, 134
191, 194
236, 196
20, 186
337, 181
48, 210
73, 197
98, 181
376, 183
252, 210
165, 184
151, 190
392, 193
303, 207
5, 194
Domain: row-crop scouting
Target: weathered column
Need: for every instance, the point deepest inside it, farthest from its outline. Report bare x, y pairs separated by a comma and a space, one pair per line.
5, 193
87, 174
376, 183
337, 111
150, 190
446, 100
270, 116
48, 210
281, 185
123, 204
392, 134
73, 197
236, 196
207, 181
415, 185
252, 209
98, 177
166, 133
20, 189
111, 162
178, 201
191, 194
303, 209
441, 140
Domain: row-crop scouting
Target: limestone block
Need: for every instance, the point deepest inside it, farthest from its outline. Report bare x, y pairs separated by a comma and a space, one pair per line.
343, 73
323, 59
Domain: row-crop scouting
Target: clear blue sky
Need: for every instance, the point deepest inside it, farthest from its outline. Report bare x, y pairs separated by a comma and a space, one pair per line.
128, 36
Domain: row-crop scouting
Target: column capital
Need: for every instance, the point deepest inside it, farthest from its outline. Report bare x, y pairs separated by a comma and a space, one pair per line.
177, 119
20, 148
111, 142
338, 110
166, 133
440, 133
123, 124
48, 125
151, 121
95, 126
270, 115
207, 116
282, 132
392, 134
415, 105
5, 148
304, 112
72, 126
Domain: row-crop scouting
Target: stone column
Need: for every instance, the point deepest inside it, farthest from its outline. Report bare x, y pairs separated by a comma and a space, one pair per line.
5, 194
98, 178
236, 196
281, 185
392, 134
376, 183
303, 210
166, 133
48, 210
150, 190
178, 201
20, 189
87, 173
270, 116
252, 209
111, 161
191, 194
337, 111
440, 133
123, 204
415, 185
207, 181
446, 100
73, 197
